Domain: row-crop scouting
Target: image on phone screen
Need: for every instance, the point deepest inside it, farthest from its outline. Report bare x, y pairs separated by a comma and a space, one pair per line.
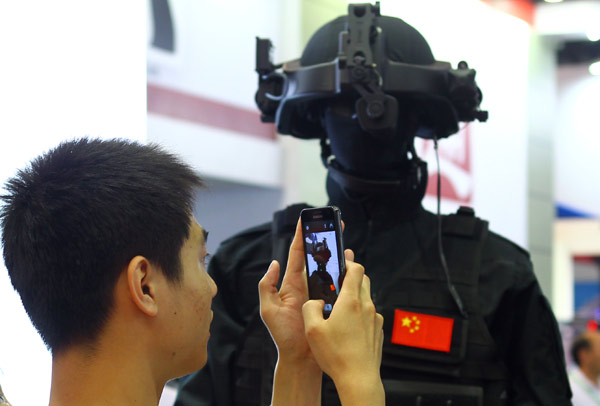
322, 261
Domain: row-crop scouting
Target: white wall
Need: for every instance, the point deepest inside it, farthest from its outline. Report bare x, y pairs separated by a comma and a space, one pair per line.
577, 140
496, 45
215, 59
215, 47
69, 69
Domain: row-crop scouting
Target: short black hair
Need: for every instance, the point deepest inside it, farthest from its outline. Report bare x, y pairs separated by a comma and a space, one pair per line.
74, 218
581, 343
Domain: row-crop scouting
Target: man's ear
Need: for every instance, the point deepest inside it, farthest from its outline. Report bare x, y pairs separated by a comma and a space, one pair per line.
141, 278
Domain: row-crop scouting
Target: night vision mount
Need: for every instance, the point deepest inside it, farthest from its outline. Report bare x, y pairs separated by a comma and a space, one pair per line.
287, 93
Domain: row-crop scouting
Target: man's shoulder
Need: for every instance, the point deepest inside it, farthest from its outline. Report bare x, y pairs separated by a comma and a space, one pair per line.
500, 246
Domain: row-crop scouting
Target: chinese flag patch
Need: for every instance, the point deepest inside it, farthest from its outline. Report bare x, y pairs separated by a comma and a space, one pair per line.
422, 330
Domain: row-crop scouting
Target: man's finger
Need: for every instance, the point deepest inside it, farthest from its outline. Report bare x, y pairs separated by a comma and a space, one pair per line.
349, 255
312, 312
267, 287
379, 322
353, 279
297, 243
295, 263
366, 285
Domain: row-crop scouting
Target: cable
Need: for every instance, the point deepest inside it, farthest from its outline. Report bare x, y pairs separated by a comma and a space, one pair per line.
451, 287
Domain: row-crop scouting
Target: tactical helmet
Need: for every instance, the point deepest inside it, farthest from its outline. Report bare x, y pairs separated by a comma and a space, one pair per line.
379, 60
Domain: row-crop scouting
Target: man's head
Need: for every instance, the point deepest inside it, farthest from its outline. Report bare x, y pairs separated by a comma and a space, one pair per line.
357, 151
86, 214
585, 351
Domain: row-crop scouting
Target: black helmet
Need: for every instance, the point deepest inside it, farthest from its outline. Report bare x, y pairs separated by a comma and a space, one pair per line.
402, 42
378, 59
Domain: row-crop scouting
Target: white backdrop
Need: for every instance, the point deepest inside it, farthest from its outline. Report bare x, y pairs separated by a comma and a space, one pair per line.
496, 45
69, 69
577, 140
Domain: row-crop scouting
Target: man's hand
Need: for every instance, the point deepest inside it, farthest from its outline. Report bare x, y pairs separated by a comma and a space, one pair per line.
348, 345
281, 310
297, 375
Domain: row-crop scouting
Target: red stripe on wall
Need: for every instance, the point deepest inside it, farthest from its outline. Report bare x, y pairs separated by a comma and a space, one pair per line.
184, 106
523, 9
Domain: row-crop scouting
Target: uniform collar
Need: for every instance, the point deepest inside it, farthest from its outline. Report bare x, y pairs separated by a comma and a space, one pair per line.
379, 209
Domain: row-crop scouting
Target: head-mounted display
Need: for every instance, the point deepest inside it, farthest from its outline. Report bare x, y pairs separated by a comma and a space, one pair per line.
289, 94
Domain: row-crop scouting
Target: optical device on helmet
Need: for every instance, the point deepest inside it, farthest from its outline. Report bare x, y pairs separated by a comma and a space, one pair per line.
287, 92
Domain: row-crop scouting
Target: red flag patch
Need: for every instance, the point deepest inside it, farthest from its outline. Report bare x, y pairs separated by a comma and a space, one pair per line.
422, 331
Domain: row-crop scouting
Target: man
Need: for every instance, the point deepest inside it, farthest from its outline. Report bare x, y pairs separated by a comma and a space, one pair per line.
466, 321
585, 374
101, 244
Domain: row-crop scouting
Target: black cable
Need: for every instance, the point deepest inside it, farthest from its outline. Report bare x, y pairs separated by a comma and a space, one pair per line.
451, 287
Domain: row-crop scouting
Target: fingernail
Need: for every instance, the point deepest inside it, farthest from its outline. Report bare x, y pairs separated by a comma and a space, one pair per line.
271, 265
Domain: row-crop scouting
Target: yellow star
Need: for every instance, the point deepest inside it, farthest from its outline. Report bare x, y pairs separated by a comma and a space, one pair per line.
412, 331
406, 322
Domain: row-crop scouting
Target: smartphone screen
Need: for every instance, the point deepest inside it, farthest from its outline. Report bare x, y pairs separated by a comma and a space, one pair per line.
324, 253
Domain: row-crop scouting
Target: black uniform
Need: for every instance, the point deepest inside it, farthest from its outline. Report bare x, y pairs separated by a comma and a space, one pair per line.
509, 346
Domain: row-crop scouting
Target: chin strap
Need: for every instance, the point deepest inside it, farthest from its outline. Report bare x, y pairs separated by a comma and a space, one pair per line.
412, 182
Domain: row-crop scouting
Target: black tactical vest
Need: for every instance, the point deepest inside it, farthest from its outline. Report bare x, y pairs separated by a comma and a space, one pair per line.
468, 372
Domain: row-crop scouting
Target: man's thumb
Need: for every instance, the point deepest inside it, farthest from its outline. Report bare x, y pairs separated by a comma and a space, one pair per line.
267, 287
312, 311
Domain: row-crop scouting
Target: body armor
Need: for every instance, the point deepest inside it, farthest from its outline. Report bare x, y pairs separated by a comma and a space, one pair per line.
497, 356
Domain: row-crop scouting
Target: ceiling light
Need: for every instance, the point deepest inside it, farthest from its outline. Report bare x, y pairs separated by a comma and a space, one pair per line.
593, 34
595, 68
553, 1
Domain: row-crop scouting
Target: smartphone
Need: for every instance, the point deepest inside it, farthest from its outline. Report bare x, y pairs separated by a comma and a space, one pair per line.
324, 253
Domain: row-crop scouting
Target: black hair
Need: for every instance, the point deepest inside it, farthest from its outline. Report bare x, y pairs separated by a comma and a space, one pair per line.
580, 343
74, 218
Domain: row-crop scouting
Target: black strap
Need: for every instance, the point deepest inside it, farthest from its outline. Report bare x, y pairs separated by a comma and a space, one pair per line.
415, 179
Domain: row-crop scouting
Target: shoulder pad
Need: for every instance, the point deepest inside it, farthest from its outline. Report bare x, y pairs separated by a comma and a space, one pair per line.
464, 224
506, 245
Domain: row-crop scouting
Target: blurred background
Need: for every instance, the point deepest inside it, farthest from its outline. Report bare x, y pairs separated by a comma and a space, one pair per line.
181, 74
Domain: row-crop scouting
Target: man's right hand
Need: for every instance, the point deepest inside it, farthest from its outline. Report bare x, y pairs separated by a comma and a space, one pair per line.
347, 346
